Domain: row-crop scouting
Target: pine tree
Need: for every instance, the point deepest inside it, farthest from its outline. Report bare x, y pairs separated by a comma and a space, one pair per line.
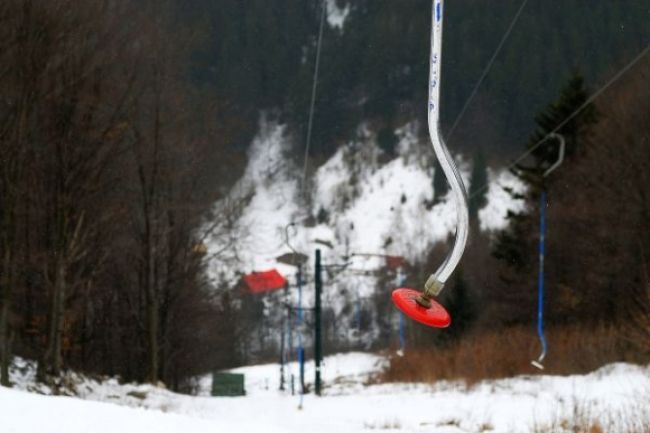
440, 186
572, 97
515, 246
461, 306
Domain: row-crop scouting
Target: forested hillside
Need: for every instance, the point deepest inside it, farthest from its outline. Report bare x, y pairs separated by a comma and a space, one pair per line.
109, 162
128, 212
260, 54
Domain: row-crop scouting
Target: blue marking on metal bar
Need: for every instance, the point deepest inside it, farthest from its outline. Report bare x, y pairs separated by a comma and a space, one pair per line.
540, 281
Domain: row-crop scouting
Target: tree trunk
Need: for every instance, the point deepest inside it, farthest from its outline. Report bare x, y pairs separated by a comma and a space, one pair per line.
4, 326
5, 337
152, 319
54, 353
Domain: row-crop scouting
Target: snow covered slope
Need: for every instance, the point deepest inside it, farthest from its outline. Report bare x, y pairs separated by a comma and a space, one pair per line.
614, 396
359, 202
21, 412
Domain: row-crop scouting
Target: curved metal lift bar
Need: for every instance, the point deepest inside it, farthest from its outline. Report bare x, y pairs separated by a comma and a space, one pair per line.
542, 250
424, 309
437, 280
561, 152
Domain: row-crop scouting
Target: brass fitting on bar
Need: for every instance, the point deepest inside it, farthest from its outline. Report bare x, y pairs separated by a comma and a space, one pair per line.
432, 288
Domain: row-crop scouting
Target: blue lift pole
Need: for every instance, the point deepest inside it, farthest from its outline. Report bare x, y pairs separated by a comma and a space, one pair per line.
301, 348
542, 251
540, 282
318, 344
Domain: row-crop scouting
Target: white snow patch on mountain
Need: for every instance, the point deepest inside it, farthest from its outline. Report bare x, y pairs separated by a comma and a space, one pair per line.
336, 15
358, 204
499, 202
259, 206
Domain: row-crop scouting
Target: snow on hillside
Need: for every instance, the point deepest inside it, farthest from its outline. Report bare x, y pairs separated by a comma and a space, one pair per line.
493, 215
614, 396
362, 206
358, 202
336, 15
269, 194
382, 208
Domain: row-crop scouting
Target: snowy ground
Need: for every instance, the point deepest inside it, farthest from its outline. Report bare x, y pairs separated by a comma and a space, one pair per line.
350, 404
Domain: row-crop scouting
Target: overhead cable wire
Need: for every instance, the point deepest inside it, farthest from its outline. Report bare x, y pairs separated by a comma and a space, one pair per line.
310, 122
584, 105
486, 70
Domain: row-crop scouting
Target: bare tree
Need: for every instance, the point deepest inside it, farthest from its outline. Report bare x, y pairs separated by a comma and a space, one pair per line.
24, 53
107, 176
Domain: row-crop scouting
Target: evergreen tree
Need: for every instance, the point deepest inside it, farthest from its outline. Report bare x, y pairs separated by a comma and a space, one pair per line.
461, 306
260, 55
477, 188
440, 186
387, 141
515, 246
572, 96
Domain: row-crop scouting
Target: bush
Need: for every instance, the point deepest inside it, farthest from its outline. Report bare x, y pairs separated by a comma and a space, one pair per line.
507, 352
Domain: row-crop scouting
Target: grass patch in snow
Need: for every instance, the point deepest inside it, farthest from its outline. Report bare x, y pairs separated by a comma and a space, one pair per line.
393, 424
586, 417
507, 352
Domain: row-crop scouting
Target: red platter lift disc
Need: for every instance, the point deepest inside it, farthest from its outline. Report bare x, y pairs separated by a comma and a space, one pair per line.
436, 316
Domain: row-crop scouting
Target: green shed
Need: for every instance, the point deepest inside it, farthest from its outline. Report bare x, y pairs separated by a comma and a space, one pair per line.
227, 384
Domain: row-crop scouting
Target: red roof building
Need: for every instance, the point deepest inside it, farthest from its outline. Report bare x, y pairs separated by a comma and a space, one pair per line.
394, 262
264, 281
